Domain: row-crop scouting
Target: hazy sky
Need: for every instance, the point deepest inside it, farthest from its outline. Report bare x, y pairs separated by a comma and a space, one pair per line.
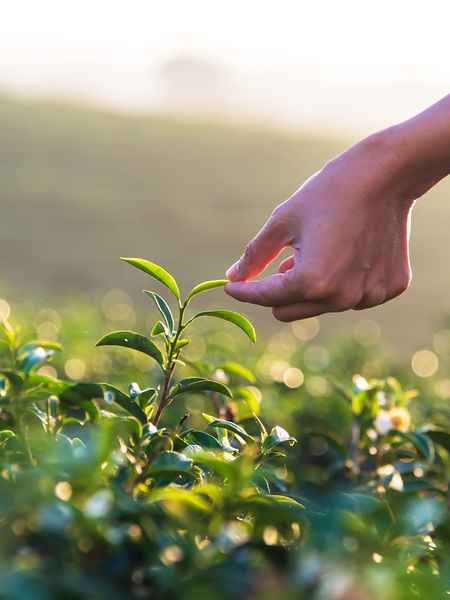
335, 64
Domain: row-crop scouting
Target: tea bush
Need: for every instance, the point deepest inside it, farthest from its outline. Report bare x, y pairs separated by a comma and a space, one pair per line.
210, 484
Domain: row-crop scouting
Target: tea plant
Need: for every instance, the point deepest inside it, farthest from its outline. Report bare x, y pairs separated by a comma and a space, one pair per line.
106, 493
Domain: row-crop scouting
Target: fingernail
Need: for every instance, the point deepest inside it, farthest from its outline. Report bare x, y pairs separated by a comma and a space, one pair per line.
233, 271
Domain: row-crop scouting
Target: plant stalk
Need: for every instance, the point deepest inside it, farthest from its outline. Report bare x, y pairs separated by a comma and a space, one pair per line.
171, 366
26, 444
163, 401
354, 447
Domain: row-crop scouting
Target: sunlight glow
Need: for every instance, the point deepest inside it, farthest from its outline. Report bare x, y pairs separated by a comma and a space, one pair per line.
287, 61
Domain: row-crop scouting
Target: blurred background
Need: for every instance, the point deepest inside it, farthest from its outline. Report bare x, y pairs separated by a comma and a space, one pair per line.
170, 131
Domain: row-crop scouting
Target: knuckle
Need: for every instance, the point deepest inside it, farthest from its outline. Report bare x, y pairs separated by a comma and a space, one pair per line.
277, 213
404, 281
374, 297
348, 300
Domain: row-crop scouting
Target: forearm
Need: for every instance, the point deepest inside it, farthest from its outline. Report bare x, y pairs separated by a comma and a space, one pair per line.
422, 147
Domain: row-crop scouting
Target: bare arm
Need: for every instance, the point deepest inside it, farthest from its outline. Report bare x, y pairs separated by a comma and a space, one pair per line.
348, 224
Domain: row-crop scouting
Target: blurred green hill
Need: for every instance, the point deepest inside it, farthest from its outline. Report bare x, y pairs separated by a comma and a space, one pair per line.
81, 187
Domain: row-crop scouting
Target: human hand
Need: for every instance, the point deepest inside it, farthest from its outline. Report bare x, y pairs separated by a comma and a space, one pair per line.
348, 226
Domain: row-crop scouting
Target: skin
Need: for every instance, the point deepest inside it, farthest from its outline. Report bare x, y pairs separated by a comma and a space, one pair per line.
348, 224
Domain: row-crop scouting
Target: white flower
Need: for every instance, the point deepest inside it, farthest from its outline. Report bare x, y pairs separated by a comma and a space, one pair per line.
383, 423
396, 418
381, 398
360, 383
400, 418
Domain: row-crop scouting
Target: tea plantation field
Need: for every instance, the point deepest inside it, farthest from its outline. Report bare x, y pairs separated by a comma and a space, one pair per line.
164, 454
81, 187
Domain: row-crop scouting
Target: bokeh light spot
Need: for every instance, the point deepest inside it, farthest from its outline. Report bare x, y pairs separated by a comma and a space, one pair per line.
5, 309
306, 329
424, 363
63, 491
75, 368
367, 332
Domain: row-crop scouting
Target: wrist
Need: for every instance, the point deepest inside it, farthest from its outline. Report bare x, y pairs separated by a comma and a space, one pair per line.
419, 149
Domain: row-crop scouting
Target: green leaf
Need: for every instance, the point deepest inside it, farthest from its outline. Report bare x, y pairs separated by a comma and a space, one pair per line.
181, 500
159, 328
53, 386
9, 333
38, 344
358, 402
232, 317
143, 397
273, 509
233, 368
207, 285
82, 394
261, 426
440, 437
233, 427
203, 439
15, 378
125, 402
180, 344
163, 308
171, 463
209, 418
129, 339
248, 397
157, 272
198, 384
278, 435
34, 357
421, 443
37, 412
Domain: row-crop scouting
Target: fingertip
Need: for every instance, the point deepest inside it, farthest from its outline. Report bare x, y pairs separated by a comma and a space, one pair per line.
233, 271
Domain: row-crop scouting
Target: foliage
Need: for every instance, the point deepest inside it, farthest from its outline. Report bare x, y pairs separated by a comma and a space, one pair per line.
180, 489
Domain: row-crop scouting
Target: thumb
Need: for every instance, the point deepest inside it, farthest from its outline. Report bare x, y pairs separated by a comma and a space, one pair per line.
261, 250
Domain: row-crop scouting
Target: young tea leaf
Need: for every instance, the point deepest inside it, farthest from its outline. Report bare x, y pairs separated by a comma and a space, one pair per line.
163, 308
158, 329
125, 402
232, 317
203, 439
157, 272
180, 344
33, 357
233, 427
235, 369
38, 344
142, 397
129, 339
207, 285
82, 394
169, 462
198, 384
278, 435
